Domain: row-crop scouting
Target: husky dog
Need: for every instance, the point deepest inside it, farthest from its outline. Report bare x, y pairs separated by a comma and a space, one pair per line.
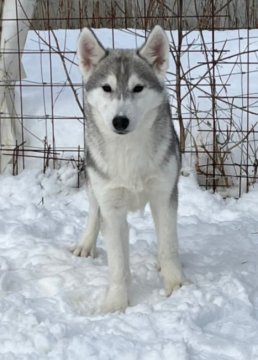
132, 155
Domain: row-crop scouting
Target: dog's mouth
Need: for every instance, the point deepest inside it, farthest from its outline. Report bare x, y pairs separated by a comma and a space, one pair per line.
122, 132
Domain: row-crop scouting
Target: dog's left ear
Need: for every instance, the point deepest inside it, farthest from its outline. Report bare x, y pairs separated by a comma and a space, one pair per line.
156, 50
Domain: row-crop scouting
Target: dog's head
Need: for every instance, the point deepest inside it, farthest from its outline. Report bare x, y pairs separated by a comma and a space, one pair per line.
124, 87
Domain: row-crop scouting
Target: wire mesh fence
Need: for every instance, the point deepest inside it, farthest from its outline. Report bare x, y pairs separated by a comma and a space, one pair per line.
212, 81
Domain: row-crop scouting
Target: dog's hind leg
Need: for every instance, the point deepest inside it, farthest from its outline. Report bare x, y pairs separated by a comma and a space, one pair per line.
87, 246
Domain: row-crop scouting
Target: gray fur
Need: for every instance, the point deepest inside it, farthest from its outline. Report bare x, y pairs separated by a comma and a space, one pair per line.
91, 163
164, 131
132, 64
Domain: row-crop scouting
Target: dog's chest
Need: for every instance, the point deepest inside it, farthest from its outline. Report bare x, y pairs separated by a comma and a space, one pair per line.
130, 164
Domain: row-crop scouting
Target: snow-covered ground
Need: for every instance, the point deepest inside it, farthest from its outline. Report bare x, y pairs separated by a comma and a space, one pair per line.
49, 299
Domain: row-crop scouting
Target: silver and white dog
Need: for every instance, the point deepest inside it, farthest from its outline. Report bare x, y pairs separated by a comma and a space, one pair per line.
132, 155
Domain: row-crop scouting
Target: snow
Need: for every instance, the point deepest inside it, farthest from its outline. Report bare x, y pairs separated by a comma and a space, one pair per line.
50, 300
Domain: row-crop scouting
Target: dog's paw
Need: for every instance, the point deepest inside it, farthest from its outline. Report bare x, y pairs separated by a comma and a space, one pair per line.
171, 284
116, 300
84, 251
172, 276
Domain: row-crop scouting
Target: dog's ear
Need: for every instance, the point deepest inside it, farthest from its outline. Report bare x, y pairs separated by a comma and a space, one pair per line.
156, 50
89, 52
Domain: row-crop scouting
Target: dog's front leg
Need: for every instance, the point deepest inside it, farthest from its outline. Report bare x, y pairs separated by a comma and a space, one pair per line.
115, 231
164, 212
87, 246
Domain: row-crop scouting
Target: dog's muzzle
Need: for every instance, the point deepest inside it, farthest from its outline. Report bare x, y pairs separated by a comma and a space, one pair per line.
120, 124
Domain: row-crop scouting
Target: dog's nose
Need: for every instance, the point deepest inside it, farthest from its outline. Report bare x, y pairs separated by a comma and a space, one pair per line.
120, 123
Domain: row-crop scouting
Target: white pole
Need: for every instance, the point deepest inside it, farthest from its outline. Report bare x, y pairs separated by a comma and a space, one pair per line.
15, 25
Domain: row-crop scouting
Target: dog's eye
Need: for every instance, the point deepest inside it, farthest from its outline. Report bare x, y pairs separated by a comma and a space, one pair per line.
107, 88
138, 88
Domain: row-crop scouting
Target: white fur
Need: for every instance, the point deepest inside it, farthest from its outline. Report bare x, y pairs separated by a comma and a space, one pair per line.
135, 178
135, 182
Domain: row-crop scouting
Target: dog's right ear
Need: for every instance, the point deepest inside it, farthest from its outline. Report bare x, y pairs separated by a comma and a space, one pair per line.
89, 52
